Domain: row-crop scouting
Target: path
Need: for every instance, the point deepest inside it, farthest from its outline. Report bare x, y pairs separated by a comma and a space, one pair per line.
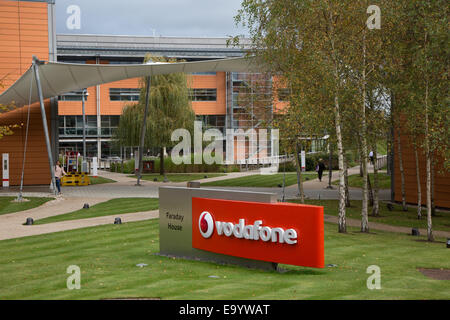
11, 225
384, 227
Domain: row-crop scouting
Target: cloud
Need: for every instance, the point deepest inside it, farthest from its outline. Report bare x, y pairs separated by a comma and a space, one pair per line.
195, 18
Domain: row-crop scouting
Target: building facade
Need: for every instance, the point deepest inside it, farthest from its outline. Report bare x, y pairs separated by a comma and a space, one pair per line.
221, 100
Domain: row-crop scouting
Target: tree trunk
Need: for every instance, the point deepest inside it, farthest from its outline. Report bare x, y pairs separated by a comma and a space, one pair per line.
161, 162
428, 159
369, 190
376, 198
342, 225
419, 189
299, 175
360, 165
364, 209
433, 170
347, 194
402, 173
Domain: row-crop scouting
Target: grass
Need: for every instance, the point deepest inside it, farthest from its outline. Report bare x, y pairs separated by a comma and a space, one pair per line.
397, 217
263, 181
100, 180
179, 177
110, 207
107, 256
6, 206
354, 180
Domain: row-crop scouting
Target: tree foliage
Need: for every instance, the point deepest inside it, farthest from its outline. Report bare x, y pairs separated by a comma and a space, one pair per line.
343, 75
169, 109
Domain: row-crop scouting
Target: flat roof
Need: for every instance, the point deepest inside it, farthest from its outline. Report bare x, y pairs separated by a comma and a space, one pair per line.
138, 46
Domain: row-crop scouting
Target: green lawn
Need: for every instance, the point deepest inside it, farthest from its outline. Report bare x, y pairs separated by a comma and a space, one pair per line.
6, 206
397, 217
110, 207
107, 256
259, 180
384, 181
179, 177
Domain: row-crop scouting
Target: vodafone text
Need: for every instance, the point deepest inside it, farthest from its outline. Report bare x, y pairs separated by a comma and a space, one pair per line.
253, 231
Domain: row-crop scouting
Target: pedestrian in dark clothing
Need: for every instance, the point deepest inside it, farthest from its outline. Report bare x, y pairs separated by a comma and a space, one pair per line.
320, 168
372, 160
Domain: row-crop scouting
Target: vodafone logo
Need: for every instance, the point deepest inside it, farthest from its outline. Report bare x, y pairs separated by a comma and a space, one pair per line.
206, 224
253, 231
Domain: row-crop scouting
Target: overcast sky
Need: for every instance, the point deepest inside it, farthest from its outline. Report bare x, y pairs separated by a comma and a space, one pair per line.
210, 18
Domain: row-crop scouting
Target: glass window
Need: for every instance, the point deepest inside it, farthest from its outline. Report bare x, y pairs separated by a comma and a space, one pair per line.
283, 94
91, 121
79, 121
212, 73
105, 121
124, 94
72, 96
70, 121
204, 94
114, 121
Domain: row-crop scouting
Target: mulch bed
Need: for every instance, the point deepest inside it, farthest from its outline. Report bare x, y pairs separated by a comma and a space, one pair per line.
438, 274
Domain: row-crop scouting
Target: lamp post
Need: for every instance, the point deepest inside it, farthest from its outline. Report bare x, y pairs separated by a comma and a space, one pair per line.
84, 164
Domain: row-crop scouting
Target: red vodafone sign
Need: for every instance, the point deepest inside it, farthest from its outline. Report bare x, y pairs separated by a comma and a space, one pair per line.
276, 232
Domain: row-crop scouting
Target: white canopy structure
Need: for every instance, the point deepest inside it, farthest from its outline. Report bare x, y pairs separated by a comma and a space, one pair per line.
57, 78
47, 80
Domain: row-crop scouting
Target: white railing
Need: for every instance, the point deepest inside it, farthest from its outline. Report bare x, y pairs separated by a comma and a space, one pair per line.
381, 161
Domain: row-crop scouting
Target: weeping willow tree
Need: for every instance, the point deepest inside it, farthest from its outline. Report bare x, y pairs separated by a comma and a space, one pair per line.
169, 109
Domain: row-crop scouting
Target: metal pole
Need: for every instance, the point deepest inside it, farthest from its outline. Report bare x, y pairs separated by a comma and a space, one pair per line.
44, 122
84, 126
143, 129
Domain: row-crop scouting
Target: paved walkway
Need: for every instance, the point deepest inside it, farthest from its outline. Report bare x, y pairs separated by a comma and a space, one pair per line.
73, 198
11, 225
385, 227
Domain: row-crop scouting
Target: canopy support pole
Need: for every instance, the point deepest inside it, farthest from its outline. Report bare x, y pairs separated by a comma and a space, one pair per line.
143, 130
44, 122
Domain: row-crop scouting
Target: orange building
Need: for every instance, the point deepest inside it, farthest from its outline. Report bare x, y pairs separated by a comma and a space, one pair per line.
26, 29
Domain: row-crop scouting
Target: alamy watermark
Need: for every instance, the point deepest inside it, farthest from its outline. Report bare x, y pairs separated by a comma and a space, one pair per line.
374, 21
250, 146
74, 280
73, 21
373, 281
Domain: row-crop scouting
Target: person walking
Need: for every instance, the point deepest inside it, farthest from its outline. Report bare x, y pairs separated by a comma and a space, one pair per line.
59, 173
320, 168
